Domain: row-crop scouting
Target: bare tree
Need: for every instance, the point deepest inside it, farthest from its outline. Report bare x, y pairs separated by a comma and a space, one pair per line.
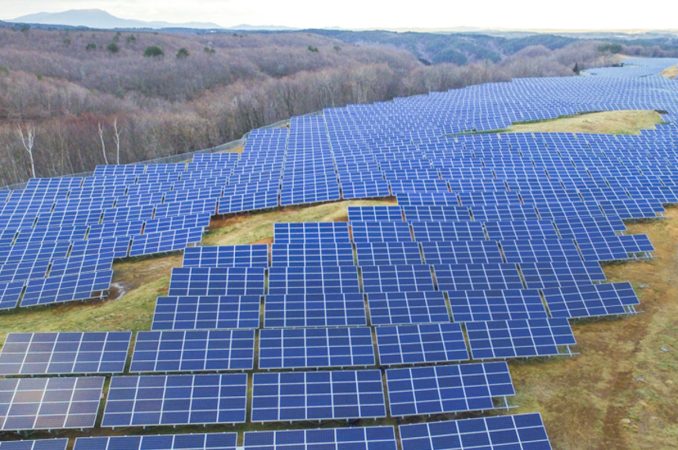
28, 139
103, 143
116, 139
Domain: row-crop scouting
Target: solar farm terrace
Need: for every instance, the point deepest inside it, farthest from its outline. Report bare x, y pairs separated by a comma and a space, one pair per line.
389, 331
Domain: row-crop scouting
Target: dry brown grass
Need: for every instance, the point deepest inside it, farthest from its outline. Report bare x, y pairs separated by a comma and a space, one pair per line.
605, 122
671, 72
621, 391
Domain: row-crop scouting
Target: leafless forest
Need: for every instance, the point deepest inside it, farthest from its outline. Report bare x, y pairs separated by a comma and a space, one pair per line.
170, 93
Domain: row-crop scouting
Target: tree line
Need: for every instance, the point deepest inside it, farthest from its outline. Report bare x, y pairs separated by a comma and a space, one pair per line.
83, 107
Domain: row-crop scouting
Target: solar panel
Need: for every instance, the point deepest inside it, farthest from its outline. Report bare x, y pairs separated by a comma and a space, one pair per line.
544, 275
165, 241
590, 300
64, 353
470, 306
313, 253
318, 310
23, 270
519, 338
447, 389
80, 264
285, 233
354, 438
10, 294
227, 256
381, 231
461, 252
306, 280
388, 253
471, 277
533, 250
404, 278
521, 431
294, 396
205, 312
447, 231
175, 400
381, 213
217, 281
407, 307
193, 351
66, 288
41, 444
315, 347
423, 343
49, 403
198, 441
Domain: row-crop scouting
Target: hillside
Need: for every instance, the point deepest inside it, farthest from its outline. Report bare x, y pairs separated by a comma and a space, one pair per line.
451, 48
172, 92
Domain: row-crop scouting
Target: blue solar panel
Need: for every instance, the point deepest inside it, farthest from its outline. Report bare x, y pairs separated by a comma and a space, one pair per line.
175, 400
66, 288
462, 277
423, 343
354, 438
533, 250
381, 213
462, 252
519, 338
49, 403
198, 441
227, 256
285, 233
204, 312
381, 231
405, 278
407, 307
293, 396
543, 275
447, 231
470, 306
307, 280
315, 347
193, 351
217, 281
521, 431
64, 353
41, 444
388, 253
589, 300
313, 253
447, 389
319, 310
10, 294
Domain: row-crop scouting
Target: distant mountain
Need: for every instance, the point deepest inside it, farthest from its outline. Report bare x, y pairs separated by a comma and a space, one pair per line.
96, 18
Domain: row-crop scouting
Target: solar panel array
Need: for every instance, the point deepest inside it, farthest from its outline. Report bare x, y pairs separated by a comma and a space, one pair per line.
204, 441
64, 353
494, 244
59, 237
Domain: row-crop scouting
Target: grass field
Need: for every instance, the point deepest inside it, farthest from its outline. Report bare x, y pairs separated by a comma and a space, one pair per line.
606, 122
671, 72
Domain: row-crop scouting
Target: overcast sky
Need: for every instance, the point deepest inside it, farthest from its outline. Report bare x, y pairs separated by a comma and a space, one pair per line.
393, 14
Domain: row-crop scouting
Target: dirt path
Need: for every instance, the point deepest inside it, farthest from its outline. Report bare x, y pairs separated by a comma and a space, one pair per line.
621, 392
